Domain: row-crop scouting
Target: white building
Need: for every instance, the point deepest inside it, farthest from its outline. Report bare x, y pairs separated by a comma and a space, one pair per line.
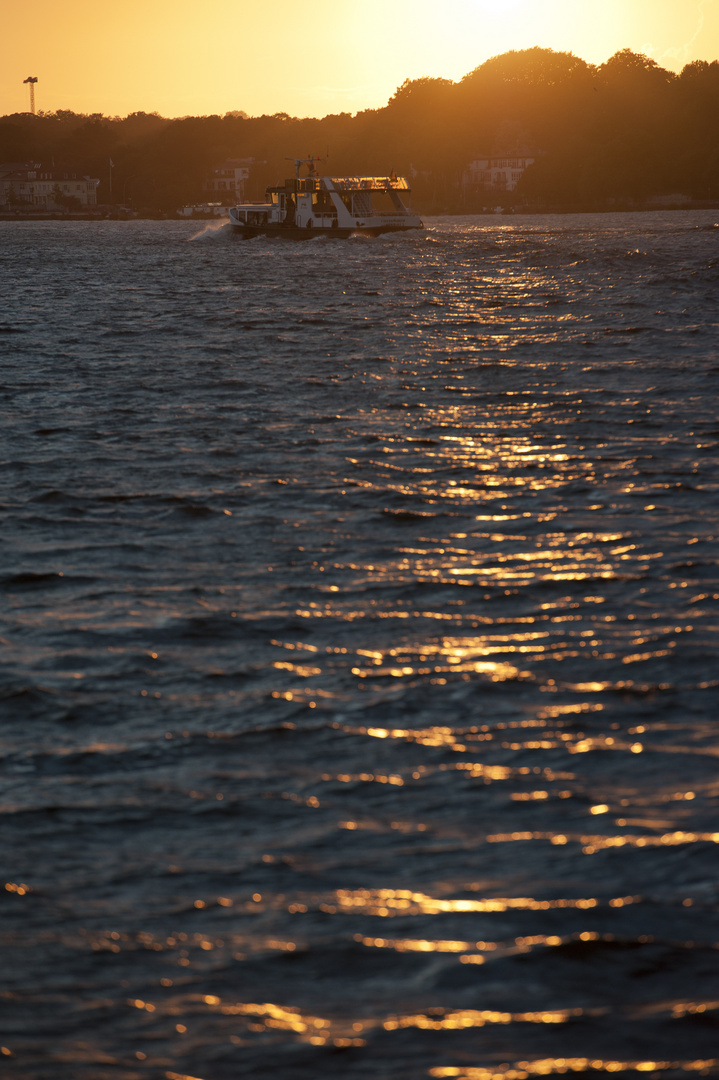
32, 185
226, 183
208, 209
499, 173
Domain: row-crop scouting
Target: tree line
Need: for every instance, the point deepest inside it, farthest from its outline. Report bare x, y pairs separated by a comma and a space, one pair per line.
623, 131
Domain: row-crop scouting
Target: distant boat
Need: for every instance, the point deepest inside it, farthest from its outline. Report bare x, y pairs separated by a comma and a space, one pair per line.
328, 206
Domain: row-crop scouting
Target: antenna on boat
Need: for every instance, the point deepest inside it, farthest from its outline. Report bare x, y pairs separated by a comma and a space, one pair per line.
308, 161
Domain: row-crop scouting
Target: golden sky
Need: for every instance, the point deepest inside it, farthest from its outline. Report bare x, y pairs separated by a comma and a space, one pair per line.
308, 58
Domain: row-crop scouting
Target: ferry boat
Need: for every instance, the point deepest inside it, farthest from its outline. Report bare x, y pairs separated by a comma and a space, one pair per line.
338, 206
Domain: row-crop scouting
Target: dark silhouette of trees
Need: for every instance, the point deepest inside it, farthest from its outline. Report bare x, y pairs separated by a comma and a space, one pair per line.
697, 133
623, 131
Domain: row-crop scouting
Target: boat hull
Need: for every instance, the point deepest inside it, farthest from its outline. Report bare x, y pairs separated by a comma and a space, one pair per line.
293, 232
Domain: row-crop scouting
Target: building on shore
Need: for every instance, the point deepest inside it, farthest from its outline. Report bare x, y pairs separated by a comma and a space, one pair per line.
224, 187
494, 174
205, 210
35, 186
226, 183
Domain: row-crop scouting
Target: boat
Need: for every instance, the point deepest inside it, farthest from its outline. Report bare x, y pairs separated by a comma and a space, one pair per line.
337, 206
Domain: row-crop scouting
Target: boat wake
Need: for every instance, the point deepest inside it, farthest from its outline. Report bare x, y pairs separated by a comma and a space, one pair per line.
212, 230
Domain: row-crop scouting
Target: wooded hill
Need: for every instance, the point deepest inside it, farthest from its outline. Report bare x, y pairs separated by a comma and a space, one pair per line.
613, 134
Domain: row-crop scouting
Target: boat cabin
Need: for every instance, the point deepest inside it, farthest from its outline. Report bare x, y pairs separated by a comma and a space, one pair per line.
319, 201
344, 203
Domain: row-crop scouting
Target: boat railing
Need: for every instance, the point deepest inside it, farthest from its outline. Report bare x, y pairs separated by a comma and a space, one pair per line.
399, 215
369, 183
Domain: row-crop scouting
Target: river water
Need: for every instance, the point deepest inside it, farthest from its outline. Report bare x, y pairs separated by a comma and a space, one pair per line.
359, 675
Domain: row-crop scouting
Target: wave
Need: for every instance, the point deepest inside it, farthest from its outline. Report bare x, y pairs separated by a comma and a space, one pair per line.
213, 230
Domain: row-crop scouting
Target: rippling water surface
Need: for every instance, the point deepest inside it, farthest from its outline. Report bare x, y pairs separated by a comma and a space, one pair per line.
359, 675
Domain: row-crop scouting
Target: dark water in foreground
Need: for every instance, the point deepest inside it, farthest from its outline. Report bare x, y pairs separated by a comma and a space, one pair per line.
359, 675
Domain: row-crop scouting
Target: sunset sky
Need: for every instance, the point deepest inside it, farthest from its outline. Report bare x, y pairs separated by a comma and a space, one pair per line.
309, 59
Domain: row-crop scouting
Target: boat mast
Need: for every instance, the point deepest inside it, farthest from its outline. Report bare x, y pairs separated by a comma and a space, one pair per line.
308, 161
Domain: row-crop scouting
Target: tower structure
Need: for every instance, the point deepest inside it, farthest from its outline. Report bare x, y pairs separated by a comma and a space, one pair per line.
32, 79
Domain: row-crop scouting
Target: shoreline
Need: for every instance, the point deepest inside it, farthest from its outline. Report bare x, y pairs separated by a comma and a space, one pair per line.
509, 211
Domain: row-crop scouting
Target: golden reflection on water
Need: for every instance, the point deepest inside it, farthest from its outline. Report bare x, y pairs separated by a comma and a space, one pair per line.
267, 1017
573, 742
498, 646
384, 901
593, 843
348, 1031
521, 1070
20, 888
457, 739
472, 1018
343, 1031
472, 951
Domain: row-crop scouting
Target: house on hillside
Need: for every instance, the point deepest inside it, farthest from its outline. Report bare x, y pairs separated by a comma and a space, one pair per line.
496, 173
34, 186
226, 183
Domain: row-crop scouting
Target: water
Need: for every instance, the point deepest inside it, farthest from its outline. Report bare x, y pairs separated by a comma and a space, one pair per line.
359, 651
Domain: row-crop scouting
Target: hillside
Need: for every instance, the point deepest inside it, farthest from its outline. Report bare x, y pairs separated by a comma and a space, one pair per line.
619, 133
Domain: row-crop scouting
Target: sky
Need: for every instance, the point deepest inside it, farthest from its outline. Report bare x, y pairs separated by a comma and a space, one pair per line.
311, 58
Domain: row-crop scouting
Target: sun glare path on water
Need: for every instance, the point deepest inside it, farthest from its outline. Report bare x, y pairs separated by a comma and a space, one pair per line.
364, 681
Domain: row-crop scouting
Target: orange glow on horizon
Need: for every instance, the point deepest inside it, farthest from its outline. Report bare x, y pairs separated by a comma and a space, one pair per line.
170, 58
